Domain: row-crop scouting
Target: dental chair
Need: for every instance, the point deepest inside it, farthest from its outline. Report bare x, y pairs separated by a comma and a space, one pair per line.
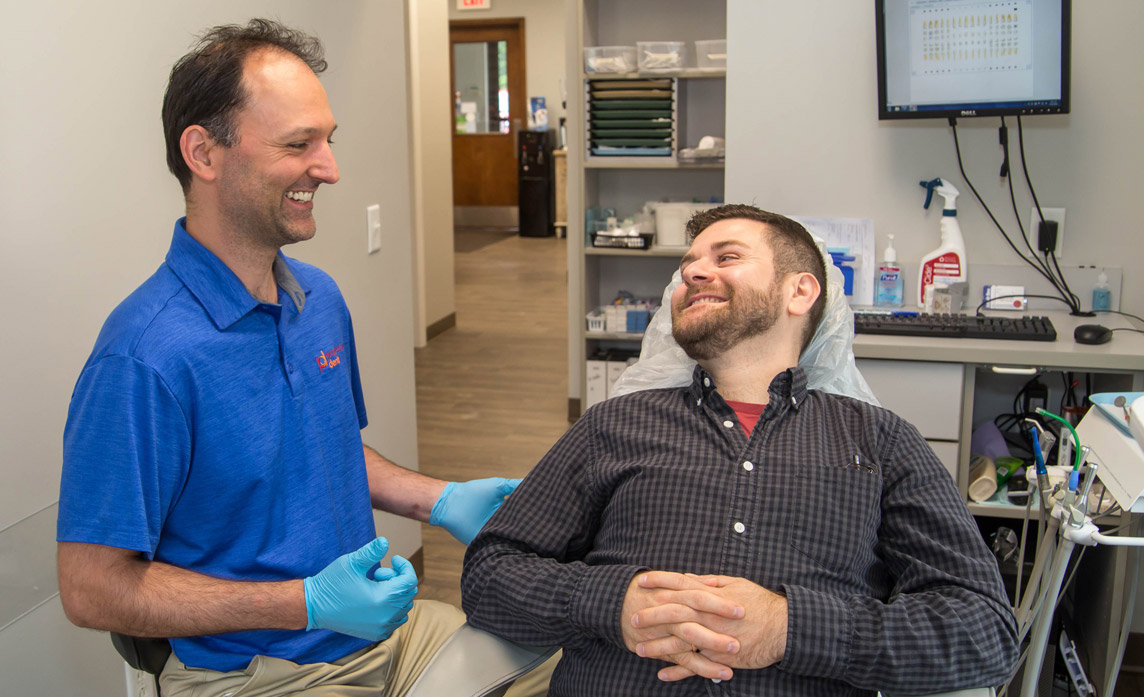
471, 663
828, 362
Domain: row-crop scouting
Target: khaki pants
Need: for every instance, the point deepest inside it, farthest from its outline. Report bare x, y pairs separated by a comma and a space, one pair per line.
387, 669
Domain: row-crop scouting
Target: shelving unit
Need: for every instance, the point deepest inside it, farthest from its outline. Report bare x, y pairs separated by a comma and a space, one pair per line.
625, 183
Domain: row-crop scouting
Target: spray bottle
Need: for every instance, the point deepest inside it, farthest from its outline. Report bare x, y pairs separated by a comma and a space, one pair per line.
946, 264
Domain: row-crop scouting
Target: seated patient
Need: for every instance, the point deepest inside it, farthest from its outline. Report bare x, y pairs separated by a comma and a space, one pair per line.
744, 534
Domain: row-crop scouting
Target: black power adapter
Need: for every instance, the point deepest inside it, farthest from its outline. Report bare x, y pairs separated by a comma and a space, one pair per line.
1035, 395
1047, 236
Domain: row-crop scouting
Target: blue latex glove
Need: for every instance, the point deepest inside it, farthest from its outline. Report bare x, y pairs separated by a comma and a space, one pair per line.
465, 507
345, 597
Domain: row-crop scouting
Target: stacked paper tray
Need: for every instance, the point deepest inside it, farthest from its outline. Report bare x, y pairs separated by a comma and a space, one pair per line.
631, 117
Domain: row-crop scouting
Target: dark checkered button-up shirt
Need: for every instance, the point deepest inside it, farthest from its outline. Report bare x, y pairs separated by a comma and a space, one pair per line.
839, 504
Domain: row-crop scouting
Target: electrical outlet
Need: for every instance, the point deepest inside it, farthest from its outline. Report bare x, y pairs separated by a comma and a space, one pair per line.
373, 228
1057, 214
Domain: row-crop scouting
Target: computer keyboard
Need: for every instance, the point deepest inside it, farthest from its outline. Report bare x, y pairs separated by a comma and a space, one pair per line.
956, 326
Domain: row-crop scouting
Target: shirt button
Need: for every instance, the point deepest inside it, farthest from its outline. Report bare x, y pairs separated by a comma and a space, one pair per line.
698, 402
290, 367
739, 527
707, 382
729, 424
748, 465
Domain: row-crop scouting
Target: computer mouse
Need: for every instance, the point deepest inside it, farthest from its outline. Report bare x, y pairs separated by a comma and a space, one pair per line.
1092, 334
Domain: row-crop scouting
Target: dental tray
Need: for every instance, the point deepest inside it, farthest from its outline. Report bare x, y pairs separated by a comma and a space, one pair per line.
1105, 402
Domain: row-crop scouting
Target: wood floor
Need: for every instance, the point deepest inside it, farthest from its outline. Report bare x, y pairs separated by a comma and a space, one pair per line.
492, 392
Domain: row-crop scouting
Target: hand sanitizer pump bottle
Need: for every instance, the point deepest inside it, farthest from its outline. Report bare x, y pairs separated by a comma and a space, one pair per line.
889, 291
1101, 294
946, 264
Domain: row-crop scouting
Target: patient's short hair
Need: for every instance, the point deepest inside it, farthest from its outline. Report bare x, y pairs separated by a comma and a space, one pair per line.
793, 247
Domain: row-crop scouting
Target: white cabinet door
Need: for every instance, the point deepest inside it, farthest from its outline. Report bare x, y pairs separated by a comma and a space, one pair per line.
927, 394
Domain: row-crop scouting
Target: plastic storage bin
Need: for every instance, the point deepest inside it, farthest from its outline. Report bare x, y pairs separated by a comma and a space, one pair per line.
609, 59
711, 55
660, 56
595, 320
642, 240
671, 221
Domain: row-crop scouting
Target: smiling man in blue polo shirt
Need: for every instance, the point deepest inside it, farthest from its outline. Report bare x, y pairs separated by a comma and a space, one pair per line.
215, 487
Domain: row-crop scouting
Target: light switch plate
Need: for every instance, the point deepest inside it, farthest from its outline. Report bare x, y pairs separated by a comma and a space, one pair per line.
373, 228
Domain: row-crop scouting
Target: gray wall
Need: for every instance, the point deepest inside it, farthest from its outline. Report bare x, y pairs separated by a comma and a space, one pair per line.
803, 137
86, 211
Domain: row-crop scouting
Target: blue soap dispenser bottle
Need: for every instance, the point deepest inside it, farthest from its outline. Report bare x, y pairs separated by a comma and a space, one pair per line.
1101, 294
890, 287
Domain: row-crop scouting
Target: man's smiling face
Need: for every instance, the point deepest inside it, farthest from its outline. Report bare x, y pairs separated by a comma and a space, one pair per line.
729, 292
282, 153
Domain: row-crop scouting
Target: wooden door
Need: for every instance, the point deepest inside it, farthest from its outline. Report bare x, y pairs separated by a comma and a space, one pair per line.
489, 107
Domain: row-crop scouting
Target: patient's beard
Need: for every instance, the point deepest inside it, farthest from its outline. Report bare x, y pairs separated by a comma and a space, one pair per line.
746, 313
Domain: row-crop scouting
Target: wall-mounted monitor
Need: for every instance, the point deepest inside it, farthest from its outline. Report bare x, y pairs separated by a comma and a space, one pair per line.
959, 58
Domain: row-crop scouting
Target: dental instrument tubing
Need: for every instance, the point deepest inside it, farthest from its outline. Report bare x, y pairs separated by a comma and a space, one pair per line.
1118, 541
1043, 623
1033, 598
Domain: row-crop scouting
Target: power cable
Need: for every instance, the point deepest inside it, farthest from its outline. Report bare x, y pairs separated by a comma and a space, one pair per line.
1068, 298
1040, 213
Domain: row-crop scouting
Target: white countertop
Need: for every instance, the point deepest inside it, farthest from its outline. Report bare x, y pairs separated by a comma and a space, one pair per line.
1124, 352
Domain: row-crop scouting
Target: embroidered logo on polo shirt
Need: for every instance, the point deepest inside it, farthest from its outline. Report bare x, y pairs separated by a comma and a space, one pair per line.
329, 359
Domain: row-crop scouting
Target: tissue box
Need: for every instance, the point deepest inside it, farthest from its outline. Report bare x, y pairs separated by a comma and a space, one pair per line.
616, 318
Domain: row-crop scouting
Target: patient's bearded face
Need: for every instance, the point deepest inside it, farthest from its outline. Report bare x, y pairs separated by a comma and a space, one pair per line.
708, 327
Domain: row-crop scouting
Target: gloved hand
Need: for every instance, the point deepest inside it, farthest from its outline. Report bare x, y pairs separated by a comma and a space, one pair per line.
345, 597
465, 507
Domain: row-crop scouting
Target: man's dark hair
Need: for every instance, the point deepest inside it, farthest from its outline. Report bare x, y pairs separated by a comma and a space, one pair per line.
794, 249
205, 87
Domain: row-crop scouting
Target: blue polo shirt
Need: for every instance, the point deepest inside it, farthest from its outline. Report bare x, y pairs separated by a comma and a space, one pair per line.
221, 434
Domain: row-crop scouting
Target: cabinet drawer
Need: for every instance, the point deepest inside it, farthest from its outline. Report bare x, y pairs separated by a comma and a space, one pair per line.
926, 394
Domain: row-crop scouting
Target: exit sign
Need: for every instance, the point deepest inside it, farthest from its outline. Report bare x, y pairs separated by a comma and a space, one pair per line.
474, 4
